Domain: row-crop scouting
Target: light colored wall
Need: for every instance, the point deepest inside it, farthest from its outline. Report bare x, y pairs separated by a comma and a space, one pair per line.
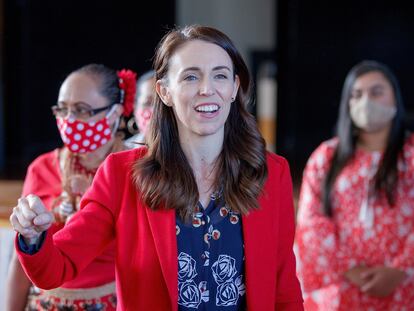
249, 23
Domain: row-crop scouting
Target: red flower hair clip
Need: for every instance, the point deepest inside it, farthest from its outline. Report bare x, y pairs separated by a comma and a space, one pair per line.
128, 86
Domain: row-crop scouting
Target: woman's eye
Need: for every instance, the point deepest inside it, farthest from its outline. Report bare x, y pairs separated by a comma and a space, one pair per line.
190, 78
221, 76
355, 95
81, 110
377, 93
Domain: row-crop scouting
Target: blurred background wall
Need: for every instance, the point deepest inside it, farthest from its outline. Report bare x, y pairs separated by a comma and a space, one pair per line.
298, 52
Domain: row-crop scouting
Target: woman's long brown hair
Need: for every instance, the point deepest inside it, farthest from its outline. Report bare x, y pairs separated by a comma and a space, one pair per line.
164, 177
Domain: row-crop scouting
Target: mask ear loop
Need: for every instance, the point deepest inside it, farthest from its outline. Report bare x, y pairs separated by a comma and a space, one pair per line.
117, 121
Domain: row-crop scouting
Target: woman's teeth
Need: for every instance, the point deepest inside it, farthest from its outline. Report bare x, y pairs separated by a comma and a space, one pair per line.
207, 108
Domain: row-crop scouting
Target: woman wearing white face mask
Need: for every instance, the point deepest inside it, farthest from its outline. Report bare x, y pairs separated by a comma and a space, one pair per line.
91, 102
356, 208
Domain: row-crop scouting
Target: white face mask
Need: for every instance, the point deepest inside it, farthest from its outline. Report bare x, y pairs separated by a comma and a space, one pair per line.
371, 116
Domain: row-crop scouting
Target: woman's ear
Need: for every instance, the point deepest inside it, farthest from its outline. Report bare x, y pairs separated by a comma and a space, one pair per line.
162, 90
236, 86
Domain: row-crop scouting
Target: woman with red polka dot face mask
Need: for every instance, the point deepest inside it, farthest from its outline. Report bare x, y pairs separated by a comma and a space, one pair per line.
90, 104
89, 108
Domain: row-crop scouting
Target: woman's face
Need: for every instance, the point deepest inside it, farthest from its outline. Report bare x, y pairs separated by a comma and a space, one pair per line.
375, 87
79, 94
200, 86
144, 108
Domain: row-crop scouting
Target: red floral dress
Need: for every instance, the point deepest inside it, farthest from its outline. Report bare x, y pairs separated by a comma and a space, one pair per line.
363, 231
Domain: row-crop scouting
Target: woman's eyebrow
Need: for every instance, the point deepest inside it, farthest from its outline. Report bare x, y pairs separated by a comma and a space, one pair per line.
198, 69
221, 68
80, 103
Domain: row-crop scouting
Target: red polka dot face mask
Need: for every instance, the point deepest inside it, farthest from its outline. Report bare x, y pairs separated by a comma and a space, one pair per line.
83, 137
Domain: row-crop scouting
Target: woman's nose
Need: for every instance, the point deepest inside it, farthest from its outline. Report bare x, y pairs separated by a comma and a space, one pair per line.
206, 87
367, 96
71, 113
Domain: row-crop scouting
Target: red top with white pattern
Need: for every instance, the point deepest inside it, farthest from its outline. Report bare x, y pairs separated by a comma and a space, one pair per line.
364, 230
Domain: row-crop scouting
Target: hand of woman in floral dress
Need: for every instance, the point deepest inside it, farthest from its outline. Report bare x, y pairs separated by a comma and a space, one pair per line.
353, 275
381, 281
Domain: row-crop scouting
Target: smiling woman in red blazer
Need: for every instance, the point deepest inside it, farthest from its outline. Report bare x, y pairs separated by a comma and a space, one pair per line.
202, 216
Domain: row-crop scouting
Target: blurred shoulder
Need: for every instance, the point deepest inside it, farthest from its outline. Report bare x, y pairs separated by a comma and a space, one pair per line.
327, 146
120, 164
408, 148
46, 159
277, 168
409, 141
323, 153
126, 156
53, 154
275, 161
135, 141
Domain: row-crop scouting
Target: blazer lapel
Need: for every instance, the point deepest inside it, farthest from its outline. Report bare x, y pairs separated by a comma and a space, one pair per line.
162, 223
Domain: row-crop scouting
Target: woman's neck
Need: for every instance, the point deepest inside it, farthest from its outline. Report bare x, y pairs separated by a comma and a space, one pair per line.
373, 141
202, 155
93, 159
201, 150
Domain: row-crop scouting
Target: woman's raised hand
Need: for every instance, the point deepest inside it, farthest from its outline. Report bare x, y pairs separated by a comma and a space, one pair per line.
30, 218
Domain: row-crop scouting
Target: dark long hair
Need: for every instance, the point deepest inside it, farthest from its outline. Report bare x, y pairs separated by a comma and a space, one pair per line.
386, 177
164, 176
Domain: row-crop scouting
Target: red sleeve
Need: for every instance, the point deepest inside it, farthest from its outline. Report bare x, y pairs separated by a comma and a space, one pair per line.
288, 292
67, 252
319, 254
43, 178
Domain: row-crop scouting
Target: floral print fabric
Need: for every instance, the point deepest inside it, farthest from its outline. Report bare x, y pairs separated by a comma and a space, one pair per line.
41, 301
211, 259
364, 230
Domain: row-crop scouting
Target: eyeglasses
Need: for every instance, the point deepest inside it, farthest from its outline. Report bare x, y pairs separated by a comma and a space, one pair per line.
78, 112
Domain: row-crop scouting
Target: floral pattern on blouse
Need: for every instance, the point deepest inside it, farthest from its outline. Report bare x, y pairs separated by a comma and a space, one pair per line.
211, 259
364, 230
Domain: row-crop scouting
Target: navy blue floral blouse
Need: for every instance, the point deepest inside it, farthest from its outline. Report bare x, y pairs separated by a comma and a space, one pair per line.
211, 259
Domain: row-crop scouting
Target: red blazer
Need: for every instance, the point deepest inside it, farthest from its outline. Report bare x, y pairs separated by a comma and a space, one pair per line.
146, 260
